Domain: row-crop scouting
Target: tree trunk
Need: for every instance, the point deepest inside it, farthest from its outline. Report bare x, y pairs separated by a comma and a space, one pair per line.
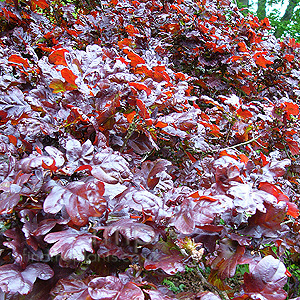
286, 17
261, 9
243, 3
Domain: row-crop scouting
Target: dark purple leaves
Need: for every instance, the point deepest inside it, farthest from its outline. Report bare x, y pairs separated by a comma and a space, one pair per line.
73, 289
81, 200
131, 230
111, 288
266, 279
71, 244
14, 280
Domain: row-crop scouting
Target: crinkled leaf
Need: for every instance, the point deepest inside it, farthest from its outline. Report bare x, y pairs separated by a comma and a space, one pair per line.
266, 279
14, 280
111, 288
71, 244
130, 230
229, 256
82, 199
72, 289
110, 167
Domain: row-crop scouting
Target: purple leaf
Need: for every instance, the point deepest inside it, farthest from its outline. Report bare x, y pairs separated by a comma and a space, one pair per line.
131, 230
111, 288
71, 244
13, 280
72, 289
266, 279
82, 199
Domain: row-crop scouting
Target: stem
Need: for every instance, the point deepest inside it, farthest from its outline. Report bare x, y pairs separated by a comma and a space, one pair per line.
211, 287
237, 145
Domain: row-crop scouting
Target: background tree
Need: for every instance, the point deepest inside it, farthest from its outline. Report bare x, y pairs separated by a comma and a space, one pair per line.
286, 23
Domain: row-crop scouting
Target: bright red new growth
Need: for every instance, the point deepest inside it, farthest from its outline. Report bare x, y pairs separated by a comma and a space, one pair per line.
68, 76
57, 57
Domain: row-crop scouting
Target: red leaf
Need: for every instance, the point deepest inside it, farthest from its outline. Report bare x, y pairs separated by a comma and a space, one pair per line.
261, 60
41, 3
143, 109
130, 116
140, 87
134, 58
12, 139
291, 109
160, 124
84, 167
289, 57
18, 60
131, 30
81, 200
293, 146
68, 76
57, 57
245, 114
242, 47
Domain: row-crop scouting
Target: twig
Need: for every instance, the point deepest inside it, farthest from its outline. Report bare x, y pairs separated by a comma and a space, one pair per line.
237, 145
211, 287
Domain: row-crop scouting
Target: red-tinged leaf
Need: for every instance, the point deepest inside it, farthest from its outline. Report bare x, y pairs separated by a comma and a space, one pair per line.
164, 257
229, 256
180, 76
81, 200
58, 86
111, 167
84, 167
291, 109
130, 116
261, 60
41, 3
143, 109
289, 57
16, 59
244, 114
125, 43
131, 30
114, 2
293, 146
134, 58
140, 87
13, 139
160, 124
242, 47
207, 198
13, 280
57, 57
266, 279
195, 195
51, 167
151, 173
68, 76
191, 157
70, 244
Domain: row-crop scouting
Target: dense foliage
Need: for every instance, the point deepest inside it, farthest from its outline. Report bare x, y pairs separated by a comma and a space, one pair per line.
141, 138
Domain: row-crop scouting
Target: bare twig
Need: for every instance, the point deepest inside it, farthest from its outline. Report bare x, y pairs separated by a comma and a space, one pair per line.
211, 287
237, 145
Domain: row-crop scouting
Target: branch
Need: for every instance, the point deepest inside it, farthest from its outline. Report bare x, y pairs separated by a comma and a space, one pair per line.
211, 287
237, 145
